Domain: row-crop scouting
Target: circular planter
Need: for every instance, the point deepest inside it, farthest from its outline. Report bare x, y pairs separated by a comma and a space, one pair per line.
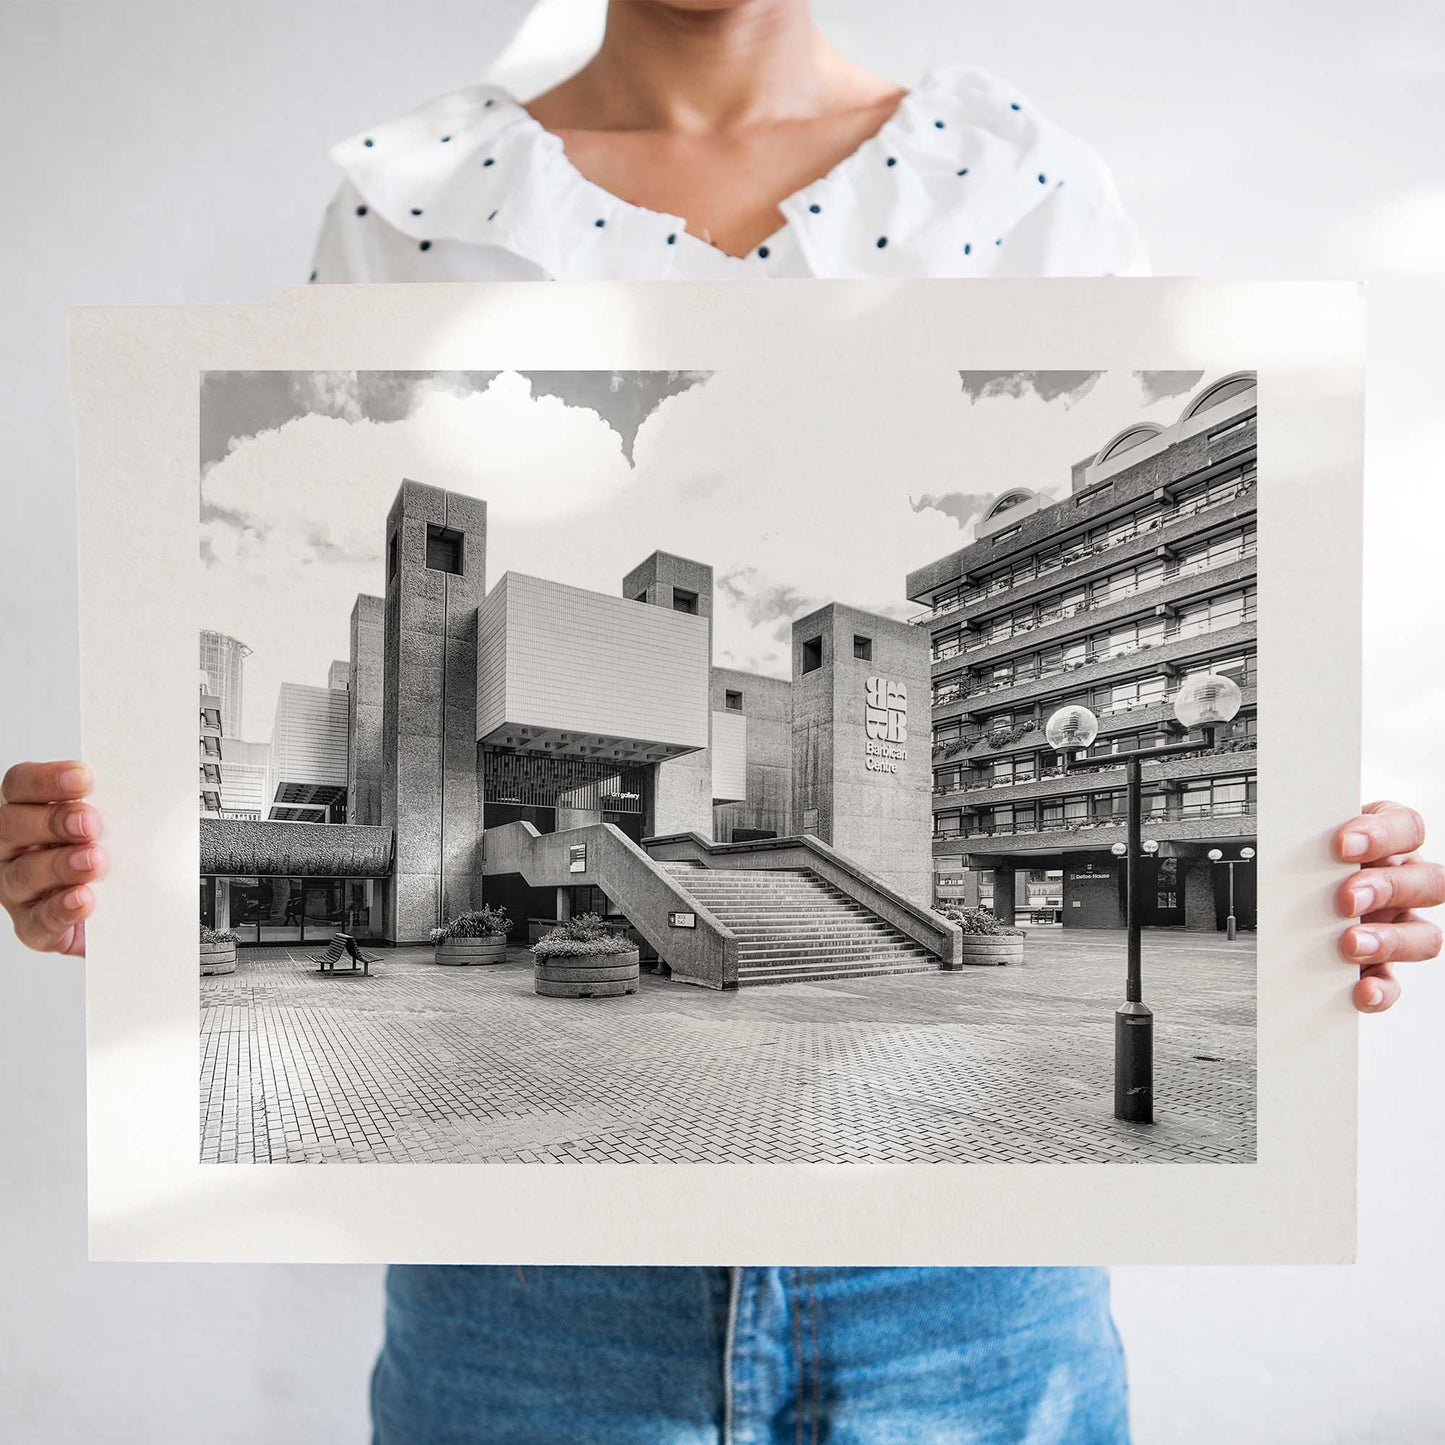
594, 975
218, 958
988, 949
466, 951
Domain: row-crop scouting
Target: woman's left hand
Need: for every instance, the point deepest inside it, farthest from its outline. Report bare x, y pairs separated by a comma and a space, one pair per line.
1392, 883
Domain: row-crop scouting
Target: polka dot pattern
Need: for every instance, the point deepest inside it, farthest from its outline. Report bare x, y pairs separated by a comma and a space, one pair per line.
958, 123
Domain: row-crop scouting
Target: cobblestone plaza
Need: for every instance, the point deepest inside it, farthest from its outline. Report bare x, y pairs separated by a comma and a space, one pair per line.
998, 1065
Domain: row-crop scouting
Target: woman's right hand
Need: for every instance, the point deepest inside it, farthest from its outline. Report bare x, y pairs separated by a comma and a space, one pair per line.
48, 854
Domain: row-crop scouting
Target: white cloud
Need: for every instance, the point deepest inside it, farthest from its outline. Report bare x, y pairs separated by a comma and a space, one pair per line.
799, 482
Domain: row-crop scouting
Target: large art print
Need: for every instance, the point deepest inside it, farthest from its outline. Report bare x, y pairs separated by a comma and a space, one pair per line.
830, 773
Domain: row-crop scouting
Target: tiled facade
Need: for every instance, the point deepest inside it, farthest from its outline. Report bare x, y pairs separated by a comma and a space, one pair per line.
1144, 574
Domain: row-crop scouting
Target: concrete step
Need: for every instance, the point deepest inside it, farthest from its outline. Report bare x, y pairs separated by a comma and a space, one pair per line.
831, 955
819, 931
823, 974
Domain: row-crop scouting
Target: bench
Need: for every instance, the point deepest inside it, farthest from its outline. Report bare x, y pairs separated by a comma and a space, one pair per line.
336, 950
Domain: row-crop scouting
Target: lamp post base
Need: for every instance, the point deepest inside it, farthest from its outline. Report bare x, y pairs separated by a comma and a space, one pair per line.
1134, 1063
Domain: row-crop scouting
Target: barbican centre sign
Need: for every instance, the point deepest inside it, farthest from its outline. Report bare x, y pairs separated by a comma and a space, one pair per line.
885, 721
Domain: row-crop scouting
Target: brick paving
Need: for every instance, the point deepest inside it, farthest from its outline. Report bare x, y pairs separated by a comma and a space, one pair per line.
420, 1062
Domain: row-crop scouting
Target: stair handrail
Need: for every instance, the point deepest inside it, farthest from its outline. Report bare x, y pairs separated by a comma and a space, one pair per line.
714, 943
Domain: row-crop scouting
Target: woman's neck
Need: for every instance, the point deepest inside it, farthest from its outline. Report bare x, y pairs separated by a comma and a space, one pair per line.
686, 70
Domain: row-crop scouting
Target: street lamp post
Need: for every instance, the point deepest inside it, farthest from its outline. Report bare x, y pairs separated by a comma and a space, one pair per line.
1205, 701
1215, 856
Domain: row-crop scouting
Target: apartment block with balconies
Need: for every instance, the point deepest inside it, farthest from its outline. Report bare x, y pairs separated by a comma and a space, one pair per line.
1144, 574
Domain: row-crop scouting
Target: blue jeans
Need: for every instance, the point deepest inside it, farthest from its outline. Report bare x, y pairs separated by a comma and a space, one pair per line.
748, 1357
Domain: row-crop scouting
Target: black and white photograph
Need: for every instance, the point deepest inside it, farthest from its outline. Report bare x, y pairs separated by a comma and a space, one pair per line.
584, 778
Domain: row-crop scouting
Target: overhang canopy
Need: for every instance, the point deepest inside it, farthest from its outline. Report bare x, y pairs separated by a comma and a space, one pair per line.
249, 846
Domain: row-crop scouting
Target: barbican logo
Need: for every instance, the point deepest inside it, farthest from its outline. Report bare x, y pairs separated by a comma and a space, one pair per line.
885, 720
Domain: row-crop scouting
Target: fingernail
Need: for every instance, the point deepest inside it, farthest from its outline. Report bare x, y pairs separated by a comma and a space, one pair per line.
1374, 995
75, 900
75, 780
1365, 897
1366, 942
77, 824
83, 860
1355, 845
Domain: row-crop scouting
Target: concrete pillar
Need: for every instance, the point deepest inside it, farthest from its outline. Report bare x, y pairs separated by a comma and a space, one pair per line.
1004, 886
436, 548
1199, 885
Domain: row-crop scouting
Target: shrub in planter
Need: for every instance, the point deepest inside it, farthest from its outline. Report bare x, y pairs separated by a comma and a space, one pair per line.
218, 951
475, 937
582, 958
986, 940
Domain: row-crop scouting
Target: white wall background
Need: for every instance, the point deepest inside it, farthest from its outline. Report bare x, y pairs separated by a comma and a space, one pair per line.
174, 150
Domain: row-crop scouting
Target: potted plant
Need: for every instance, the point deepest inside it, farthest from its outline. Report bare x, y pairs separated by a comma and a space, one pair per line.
478, 936
985, 939
583, 958
218, 951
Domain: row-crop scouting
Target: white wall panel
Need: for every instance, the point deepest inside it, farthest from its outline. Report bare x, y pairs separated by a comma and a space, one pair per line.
729, 757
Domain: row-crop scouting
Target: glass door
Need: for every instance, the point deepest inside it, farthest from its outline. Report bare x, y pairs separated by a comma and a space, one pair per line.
323, 909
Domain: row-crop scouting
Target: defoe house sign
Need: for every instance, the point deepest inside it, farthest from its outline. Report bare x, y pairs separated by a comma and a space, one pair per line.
885, 720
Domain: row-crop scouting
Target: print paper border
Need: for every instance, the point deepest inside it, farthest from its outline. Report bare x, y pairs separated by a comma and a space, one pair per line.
135, 386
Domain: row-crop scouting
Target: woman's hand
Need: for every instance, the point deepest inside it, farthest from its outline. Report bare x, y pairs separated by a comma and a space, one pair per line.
1392, 883
48, 854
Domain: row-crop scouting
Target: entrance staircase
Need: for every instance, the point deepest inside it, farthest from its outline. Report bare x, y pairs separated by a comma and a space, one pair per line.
794, 927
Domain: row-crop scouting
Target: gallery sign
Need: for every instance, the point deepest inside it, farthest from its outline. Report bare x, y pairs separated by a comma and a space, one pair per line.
885, 721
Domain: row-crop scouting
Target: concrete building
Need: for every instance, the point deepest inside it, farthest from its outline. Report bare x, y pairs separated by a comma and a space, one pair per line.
559, 750
306, 781
223, 660
1143, 574
209, 729
244, 773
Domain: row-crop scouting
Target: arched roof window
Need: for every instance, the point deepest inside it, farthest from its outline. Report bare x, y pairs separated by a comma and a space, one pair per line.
1219, 393
1126, 441
1009, 499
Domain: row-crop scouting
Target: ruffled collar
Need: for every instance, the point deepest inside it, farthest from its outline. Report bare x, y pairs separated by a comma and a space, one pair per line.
474, 166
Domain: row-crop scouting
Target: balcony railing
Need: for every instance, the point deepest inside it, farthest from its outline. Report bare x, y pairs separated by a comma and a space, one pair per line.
956, 647
1228, 748
957, 691
1217, 497
1174, 813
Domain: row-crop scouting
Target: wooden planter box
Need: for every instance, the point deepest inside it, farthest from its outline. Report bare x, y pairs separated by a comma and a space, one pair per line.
465, 951
218, 958
594, 975
989, 949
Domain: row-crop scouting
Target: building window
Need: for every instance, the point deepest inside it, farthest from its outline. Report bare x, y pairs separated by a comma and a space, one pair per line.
863, 648
443, 549
733, 701
684, 601
393, 555
812, 654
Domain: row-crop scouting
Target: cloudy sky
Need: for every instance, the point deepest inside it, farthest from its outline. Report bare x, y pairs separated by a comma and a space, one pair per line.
798, 489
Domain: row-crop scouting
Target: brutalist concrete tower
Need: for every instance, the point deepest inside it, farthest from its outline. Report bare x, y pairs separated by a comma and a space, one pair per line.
862, 759
436, 551
683, 792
